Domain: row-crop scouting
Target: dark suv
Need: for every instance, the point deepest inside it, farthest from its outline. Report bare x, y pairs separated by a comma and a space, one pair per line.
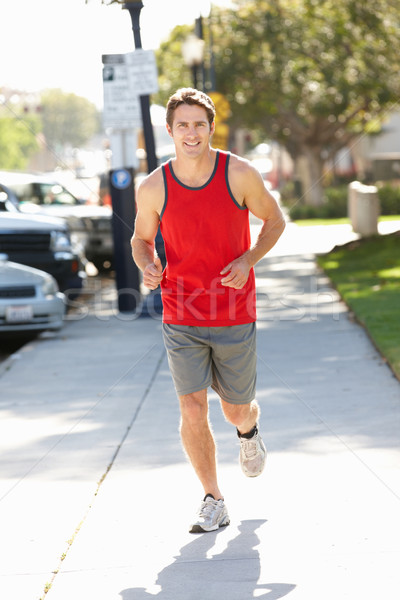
40, 242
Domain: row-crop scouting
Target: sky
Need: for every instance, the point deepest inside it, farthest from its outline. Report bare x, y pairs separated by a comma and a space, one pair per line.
59, 43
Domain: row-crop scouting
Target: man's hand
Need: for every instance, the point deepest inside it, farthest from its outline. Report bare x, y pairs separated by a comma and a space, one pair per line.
238, 273
152, 275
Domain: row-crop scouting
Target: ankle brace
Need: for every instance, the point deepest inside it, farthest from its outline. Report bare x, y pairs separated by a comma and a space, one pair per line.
248, 435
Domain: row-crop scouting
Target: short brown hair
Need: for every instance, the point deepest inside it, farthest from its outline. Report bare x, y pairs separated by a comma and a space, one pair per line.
190, 96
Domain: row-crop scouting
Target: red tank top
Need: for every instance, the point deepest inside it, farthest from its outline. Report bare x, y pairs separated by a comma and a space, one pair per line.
204, 229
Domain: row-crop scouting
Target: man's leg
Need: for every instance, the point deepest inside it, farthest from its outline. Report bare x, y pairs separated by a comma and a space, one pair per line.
198, 440
252, 449
243, 416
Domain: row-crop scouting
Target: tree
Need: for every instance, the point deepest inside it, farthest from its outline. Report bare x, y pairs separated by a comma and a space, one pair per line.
173, 73
18, 140
68, 119
314, 73
311, 74
59, 119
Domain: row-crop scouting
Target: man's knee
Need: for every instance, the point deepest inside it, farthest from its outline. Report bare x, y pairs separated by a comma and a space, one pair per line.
237, 413
194, 408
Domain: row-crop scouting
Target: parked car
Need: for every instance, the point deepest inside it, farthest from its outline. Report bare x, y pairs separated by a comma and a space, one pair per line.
30, 300
90, 225
8, 199
40, 242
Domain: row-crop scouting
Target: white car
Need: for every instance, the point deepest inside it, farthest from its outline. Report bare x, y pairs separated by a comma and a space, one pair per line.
90, 225
30, 300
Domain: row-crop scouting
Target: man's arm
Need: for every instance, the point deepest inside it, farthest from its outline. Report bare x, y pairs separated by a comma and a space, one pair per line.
248, 188
149, 201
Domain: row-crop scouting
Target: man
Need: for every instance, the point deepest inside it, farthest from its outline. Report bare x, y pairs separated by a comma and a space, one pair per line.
201, 199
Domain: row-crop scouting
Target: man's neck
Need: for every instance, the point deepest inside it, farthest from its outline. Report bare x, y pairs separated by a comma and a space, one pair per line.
195, 171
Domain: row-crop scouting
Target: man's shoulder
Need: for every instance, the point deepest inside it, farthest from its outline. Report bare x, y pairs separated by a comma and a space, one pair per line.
150, 192
240, 167
244, 179
152, 182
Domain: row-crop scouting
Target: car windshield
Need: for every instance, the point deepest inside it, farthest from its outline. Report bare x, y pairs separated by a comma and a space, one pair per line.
43, 193
53, 193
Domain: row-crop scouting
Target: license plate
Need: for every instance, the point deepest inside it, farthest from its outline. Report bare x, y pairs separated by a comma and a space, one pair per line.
19, 314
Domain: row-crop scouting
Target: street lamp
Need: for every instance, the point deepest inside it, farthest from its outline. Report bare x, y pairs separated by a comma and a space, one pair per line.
193, 54
153, 302
134, 7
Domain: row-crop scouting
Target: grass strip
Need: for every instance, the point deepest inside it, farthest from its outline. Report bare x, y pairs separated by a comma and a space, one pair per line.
366, 274
340, 221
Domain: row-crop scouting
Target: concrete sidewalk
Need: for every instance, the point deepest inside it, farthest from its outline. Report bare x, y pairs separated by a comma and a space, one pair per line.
96, 495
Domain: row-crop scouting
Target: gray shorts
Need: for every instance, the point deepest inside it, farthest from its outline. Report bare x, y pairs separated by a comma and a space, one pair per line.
221, 357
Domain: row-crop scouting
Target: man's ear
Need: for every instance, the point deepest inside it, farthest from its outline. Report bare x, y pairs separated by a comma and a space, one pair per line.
169, 130
212, 128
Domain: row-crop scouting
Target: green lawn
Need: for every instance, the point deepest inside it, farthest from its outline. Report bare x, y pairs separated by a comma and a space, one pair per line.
366, 274
341, 221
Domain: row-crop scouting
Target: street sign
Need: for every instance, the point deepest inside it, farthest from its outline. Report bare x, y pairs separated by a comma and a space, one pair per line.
220, 139
121, 103
222, 106
121, 179
126, 77
142, 72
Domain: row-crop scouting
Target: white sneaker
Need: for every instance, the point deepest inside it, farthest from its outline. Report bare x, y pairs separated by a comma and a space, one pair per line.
212, 514
252, 455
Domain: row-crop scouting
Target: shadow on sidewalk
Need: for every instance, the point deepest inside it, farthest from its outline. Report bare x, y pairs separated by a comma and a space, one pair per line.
232, 574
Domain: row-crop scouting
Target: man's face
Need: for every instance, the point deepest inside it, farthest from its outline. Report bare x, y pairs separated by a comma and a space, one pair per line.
191, 130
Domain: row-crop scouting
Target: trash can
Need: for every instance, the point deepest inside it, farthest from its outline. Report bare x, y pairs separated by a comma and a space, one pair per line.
363, 208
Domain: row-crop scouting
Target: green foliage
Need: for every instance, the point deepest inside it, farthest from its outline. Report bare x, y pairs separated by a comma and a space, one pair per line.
366, 273
315, 72
333, 206
334, 203
389, 197
311, 74
172, 71
18, 140
68, 119
64, 119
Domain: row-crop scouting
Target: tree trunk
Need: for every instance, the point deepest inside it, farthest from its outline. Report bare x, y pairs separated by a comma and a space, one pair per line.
311, 176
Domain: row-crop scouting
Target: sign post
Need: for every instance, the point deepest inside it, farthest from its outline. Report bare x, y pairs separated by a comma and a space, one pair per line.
123, 218
153, 302
122, 116
128, 80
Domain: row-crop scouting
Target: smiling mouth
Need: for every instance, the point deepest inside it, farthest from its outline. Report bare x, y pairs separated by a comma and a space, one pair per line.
192, 144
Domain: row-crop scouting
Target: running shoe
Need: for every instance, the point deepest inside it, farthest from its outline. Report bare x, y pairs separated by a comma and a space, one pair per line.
211, 515
252, 455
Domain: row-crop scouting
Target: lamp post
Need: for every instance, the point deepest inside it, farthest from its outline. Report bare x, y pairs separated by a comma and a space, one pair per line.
193, 54
152, 304
213, 85
123, 196
134, 9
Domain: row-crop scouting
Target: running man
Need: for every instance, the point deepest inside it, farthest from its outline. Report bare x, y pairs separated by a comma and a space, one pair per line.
201, 200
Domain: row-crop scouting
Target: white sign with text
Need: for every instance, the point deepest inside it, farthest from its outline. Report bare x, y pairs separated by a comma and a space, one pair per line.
126, 77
